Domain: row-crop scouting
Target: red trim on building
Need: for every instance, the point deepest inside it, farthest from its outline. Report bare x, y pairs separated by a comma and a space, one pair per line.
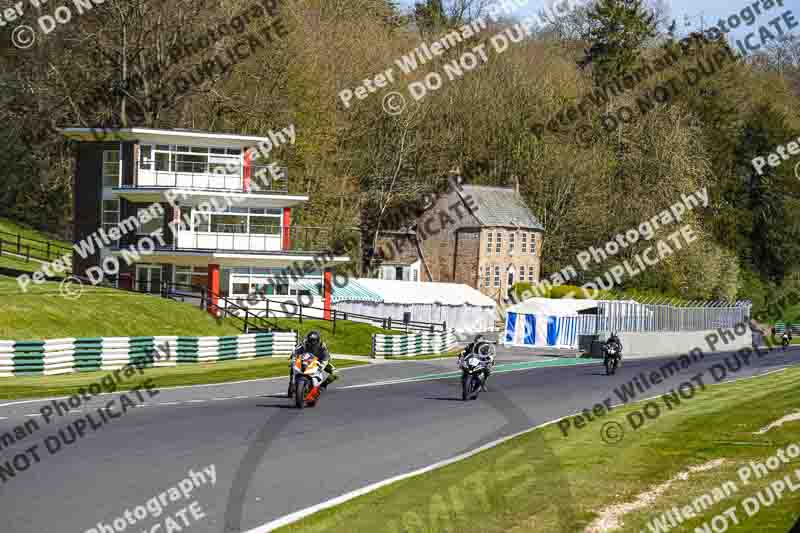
328, 291
248, 159
213, 289
287, 222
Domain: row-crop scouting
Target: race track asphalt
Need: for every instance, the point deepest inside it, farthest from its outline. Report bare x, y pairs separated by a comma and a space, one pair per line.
271, 460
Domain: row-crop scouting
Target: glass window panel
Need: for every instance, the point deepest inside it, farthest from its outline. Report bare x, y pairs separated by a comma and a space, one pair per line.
238, 210
228, 224
191, 163
181, 148
275, 212
164, 147
218, 151
149, 227
241, 288
254, 211
241, 270
162, 161
110, 205
234, 151
199, 150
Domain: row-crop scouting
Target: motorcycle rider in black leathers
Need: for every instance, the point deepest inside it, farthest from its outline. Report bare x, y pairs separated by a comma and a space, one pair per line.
313, 345
613, 339
481, 348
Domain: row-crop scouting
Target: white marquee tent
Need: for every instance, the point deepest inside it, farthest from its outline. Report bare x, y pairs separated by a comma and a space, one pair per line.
555, 323
462, 307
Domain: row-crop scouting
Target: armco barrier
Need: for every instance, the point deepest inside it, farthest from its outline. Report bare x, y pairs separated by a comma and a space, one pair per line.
413, 344
65, 356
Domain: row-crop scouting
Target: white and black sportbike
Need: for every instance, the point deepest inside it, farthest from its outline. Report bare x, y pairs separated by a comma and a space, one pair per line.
475, 365
612, 354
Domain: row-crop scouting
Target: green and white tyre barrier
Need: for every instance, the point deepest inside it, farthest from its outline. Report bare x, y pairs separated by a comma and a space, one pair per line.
65, 356
413, 344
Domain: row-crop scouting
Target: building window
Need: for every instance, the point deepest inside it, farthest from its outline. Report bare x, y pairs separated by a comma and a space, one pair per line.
487, 280
499, 245
239, 220
111, 166
511, 238
524, 242
398, 273
184, 275
191, 159
522, 273
533, 244
151, 226
497, 276
416, 274
489, 243
268, 282
530, 274
110, 214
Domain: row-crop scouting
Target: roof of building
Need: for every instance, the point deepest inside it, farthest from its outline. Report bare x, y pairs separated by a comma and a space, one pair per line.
500, 206
414, 292
177, 135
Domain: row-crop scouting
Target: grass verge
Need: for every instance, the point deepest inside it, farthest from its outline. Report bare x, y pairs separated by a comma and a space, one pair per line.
351, 338
43, 313
544, 481
16, 388
425, 357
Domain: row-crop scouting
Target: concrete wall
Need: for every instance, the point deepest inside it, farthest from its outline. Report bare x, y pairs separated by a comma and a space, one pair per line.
681, 342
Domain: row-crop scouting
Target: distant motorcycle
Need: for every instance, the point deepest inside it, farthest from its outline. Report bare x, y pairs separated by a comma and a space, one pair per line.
785, 341
611, 357
305, 379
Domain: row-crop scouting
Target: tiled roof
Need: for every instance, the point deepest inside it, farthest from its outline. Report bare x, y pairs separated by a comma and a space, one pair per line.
499, 206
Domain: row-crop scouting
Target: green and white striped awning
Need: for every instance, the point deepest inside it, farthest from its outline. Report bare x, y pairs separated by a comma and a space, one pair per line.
353, 291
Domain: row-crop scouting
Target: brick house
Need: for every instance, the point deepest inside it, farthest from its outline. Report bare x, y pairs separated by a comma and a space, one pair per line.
484, 237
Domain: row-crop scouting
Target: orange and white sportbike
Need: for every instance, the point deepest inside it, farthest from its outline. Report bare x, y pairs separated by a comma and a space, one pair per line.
305, 380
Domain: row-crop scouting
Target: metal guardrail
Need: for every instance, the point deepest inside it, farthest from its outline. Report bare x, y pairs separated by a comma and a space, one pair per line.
664, 316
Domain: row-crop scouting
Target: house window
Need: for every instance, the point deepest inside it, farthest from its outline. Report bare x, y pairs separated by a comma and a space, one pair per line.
524, 242
191, 159
511, 238
111, 166
416, 275
530, 274
487, 279
497, 276
184, 276
499, 244
489, 243
398, 273
110, 214
480, 277
533, 244
151, 226
239, 220
522, 273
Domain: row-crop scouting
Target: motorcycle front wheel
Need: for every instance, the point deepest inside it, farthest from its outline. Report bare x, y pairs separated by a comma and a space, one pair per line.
302, 387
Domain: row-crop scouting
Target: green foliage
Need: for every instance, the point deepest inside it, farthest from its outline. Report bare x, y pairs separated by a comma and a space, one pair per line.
617, 33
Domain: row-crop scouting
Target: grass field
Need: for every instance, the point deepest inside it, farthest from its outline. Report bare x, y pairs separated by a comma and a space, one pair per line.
15, 388
10, 261
42, 313
9, 226
352, 338
543, 481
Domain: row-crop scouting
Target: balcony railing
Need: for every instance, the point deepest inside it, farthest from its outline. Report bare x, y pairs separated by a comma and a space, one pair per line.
279, 239
208, 177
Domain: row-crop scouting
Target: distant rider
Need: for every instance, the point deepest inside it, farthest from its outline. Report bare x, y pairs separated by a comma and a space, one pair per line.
613, 340
481, 348
313, 345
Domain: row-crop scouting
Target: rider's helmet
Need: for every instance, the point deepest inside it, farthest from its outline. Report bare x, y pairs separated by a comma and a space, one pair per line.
313, 340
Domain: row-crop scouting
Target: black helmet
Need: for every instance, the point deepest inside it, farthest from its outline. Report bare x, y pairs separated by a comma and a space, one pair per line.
312, 339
